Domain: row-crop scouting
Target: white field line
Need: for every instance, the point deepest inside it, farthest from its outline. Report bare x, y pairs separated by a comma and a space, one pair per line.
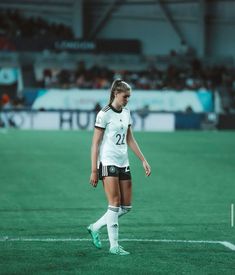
232, 215
26, 239
228, 245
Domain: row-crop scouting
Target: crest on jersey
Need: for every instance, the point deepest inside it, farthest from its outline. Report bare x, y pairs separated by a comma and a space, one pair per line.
112, 169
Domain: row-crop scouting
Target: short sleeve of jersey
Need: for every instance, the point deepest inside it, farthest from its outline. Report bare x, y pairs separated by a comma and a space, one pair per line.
101, 120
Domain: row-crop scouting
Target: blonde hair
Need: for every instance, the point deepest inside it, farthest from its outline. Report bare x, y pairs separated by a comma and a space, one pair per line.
119, 86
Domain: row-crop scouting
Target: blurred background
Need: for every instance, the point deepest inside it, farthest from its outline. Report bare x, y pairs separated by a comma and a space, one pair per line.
58, 59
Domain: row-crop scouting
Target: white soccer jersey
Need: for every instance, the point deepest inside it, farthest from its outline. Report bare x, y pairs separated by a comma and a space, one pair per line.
113, 149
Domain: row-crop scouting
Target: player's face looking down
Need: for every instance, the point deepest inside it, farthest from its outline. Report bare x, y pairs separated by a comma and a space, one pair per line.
121, 99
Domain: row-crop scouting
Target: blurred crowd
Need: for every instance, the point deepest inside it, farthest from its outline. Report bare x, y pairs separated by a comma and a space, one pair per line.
193, 77
196, 78
13, 24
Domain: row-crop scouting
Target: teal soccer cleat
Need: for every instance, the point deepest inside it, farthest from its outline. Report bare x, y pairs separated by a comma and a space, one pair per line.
118, 250
95, 237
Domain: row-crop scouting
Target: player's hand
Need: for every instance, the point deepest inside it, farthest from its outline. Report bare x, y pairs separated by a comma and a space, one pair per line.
147, 168
94, 179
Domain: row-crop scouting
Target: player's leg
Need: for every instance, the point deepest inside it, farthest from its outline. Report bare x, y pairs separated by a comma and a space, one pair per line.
126, 196
125, 199
110, 218
125, 205
113, 197
112, 191
109, 174
117, 191
125, 185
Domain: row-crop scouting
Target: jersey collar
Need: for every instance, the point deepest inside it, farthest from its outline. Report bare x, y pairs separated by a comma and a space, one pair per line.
115, 110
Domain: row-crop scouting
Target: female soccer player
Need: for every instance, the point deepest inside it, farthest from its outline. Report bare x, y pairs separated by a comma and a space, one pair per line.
112, 134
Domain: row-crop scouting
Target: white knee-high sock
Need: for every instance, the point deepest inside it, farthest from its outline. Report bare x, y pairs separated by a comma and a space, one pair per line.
101, 222
112, 225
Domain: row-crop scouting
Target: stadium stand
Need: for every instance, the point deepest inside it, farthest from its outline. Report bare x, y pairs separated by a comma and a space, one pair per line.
14, 24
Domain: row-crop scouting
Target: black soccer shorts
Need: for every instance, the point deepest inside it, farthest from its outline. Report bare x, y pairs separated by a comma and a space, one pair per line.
123, 173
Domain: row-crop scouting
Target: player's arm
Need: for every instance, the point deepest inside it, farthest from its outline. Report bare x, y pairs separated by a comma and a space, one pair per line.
97, 137
132, 143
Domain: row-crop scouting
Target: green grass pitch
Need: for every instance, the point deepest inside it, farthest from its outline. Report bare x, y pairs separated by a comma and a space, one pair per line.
46, 203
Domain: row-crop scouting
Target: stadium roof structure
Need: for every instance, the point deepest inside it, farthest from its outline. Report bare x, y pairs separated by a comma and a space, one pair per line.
92, 16
60, 11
